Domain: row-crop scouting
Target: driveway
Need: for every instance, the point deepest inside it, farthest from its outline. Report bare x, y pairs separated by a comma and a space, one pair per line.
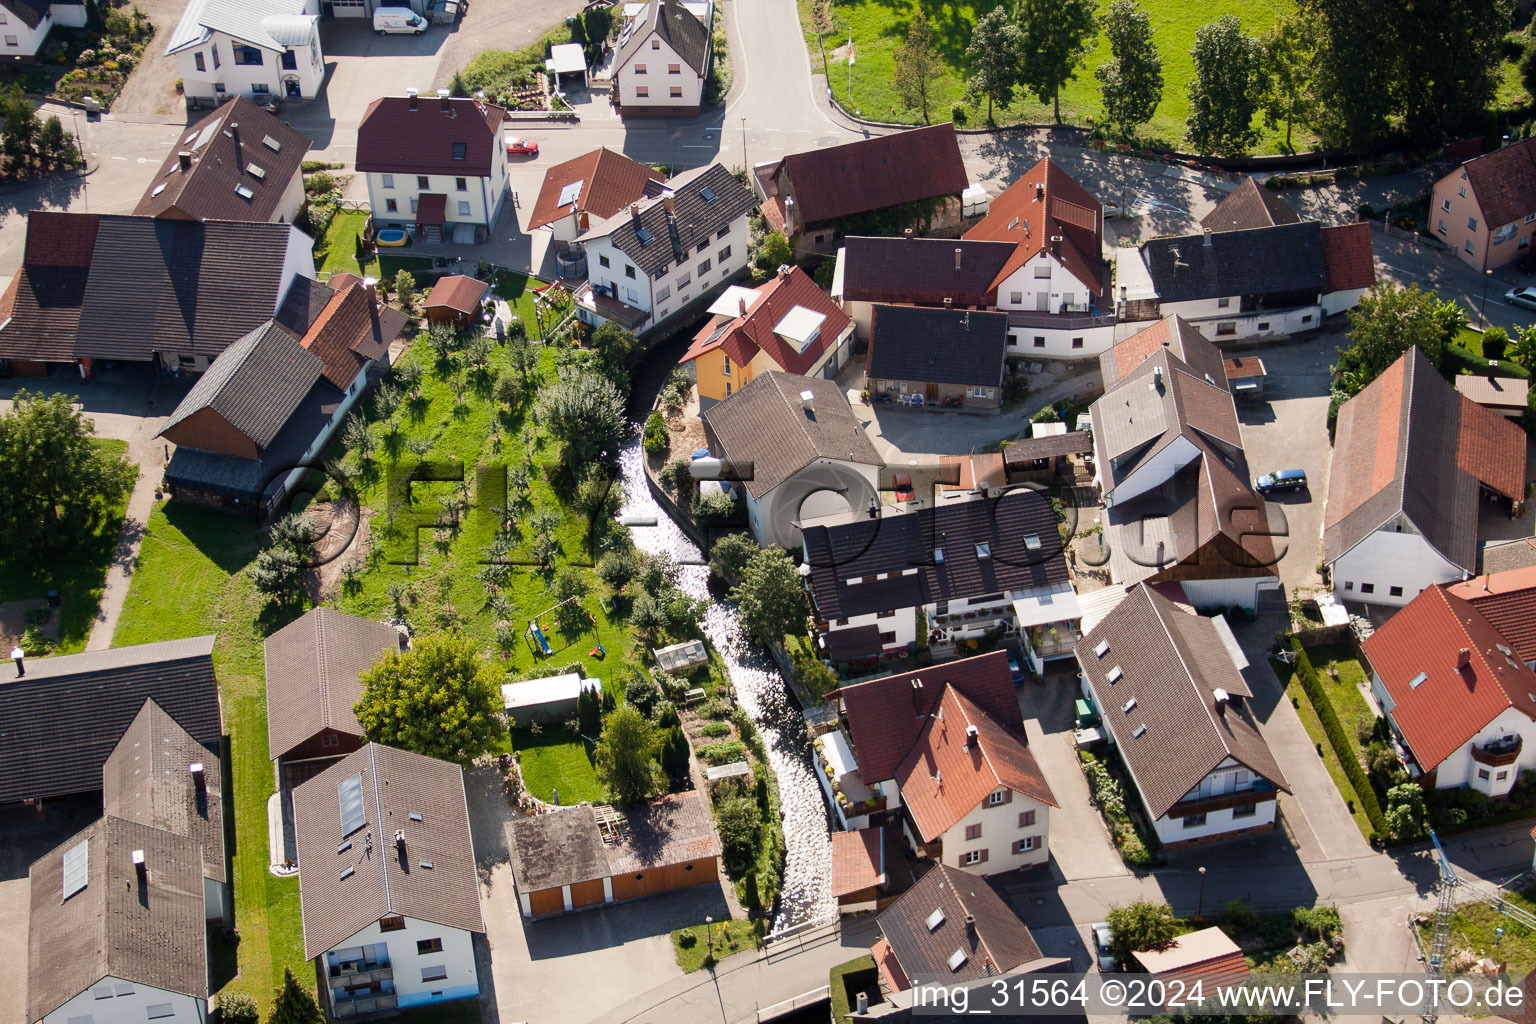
496, 25
151, 88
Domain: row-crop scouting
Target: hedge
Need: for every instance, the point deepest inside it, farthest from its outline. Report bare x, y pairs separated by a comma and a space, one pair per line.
1339, 739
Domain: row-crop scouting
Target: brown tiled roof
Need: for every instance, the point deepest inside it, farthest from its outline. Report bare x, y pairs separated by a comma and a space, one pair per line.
1503, 556
705, 201
1249, 206
752, 332
609, 183
59, 723
1508, 601
1348, 261
1050, 446
1243, 367
562, 847
312, 665
1047, 203
1206, 956
1448, 706
886, 717
766, 424
995, 942
890, 970
1173, 333
254, 385
673, 829
459, 292
1491, 448
874, 173
1504, 182
922, 270
395, 139
147, 779
431, 208
1500, 392
858, 860
431, 878
945, 776
225, 146
1171, 663
352, 330
148, 933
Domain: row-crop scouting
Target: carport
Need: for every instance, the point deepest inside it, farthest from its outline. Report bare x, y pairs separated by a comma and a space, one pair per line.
566, 59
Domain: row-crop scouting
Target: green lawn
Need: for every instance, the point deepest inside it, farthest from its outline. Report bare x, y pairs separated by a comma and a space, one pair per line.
1472, 929
725, 939
554, 760
880, 26
1344, 691
78, 574
336, 253
189, 583
1314, 727
847, 980
1465, 355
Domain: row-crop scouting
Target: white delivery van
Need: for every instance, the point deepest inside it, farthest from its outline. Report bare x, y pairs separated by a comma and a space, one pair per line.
387, 20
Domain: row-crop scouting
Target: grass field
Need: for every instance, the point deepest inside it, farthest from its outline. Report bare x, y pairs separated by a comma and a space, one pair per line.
880, 26
1473, 930
725, 938
554, 761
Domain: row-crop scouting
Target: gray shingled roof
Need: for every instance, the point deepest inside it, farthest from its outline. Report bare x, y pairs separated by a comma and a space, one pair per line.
695, 219
312, 665
677, 27
1256, 261
948, 346
996, 942
59, 723
926, 270
147, 933
255, 384
385, 879
147, 779
562, 847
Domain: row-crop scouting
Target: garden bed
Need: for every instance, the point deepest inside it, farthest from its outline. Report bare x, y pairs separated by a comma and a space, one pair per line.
1107, 785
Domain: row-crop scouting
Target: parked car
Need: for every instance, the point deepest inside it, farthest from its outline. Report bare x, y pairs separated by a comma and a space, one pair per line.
398, 21
1281, 480
271, 104
1102, 937
1521, 297
519, 146
901, 483
1015, 669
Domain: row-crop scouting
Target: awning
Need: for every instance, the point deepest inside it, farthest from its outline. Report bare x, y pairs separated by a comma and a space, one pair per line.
431, 209
1039, 609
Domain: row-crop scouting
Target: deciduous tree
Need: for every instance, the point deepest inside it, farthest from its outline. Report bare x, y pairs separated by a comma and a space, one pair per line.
1223, 95
1131, 81
729, 555
1388, 322
1054, 37
993, 56
769, 597
1141, 926
1290, 51
917, 64
625, 756
436, 699
584, 411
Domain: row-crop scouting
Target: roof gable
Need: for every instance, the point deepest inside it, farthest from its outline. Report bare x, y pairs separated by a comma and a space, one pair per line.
1504, 182
1256, 261
255, 384
604, 184
1046, 210
875, 173
1249, 206
415, 135
674, 25
754, 329
312, 669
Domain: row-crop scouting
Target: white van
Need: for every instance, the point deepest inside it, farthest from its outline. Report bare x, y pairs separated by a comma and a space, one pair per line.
388, 20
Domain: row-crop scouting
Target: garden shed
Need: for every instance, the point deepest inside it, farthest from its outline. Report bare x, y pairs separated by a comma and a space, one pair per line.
566, 59
551, 699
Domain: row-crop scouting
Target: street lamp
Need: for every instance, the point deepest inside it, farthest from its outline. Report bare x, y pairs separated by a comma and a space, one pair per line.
744, 164
1482, 312
709, 941
1200, 907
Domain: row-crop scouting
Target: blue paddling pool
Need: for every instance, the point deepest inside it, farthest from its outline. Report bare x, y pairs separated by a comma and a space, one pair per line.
392, 237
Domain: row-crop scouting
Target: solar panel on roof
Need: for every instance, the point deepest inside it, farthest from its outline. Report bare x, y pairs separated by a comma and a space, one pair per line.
350, 792
76, 865
571, 193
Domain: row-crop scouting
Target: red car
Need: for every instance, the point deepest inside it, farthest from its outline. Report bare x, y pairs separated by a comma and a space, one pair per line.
901, 483
518, 146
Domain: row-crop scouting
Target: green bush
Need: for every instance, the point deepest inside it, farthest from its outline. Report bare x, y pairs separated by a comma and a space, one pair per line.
680, 476
739, 828
1240, 916
1320, 923
723, 752
713, 509
656, 442
714, 730
1495, 341
1338, 739
237, 1008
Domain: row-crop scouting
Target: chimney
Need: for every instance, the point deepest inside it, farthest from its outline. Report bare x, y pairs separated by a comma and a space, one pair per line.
861, 1003
371, 286
442, 101
741, 304
1157, 377
970, 924
1039, 193
411, 98
906, 232
139, 867
1463, 659
185, 158
971, 737
966, 320
234, 131
1207, 236
199, 777
666, 203
958, 250
400, 842
583, 221
1221, 697
917, 696
784, 269
634, 210
1487, 577
806, 398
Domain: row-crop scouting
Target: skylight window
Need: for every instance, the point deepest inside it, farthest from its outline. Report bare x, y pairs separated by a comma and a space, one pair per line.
244, 193
983, 550
461, 150
707, 195
350, 793
1139, 731
345, 845
934, 920
415, 815
1130, 705
157, 189
1032, 542
1413, 684
76, 866
644, 236
426, 865
957, 959
1101, 649
1113, 675
348, 872
271, 143
255, 171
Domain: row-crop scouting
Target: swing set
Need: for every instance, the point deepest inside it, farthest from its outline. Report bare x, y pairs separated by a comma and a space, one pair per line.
537, 631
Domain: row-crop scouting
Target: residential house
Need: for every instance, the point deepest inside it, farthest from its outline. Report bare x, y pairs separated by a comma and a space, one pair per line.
1249, 206
952, 925
455, 300
960, 567
143, 289
388, 889
312, 669
786, 324
238, 163
660, 254
435, 167
940, 755
267, 49
1168, 454
1503, 396
591, 188
797, 449
1485, 210
859, 877
24, 26
158, 775
1169, 688
93, 698
1206, 957
816, 196
954, 273
271, 402
116, 931
1452, 672
1412, 462
1256, 282
585, 856
981, 471
923, 356
661, 62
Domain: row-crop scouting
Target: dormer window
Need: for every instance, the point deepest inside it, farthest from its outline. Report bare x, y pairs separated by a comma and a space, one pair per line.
460, 150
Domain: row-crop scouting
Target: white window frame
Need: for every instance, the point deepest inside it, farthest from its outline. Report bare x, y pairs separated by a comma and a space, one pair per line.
971, 857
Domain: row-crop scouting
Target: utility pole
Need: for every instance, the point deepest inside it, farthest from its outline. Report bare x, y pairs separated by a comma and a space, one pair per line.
744, 164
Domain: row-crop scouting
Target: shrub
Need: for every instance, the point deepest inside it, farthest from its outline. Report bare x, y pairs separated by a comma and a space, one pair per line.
238, 1008
1495, 341
957, 114
1338, 738
656, 442
1320, 923
723, 752
678, 474
715, 730
740, 829
1240, 916
642, 692
729, 556
713, 509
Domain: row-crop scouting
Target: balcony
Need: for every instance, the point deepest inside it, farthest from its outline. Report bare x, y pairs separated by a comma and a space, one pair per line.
369, 1003
1063, 320
1500, 753
1054, 641
597, 299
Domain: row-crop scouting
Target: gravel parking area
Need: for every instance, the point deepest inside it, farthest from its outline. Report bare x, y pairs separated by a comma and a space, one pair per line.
499, 25
151, 89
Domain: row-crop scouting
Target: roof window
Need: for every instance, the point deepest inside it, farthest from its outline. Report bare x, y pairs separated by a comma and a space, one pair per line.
957, 959
349, 793
244, 193
460, 151
76, 865
256, 172
271, 143
1113, 675
706, 194
1101, 649
1032, 542
1413, 684
934, 920
1130, 706
1139, 731
984, 550
644, 236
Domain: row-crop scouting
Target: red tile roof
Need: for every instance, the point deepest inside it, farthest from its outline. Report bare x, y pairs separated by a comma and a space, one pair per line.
349, 332
393, 138
1491, 448
886, 716
1448, 706
1046, 203
875, 173
752, 331
59, 239
609, 182
858, 860
890, 968
1207, 956
1508, 601
773, 214
1504, 182
431, 208
1347, 258
458, 292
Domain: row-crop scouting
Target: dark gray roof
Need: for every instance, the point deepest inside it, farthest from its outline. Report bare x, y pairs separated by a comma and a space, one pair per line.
677, 27
59, 723
904, 540
1256, 261
1027, 449
30, 15
312, 665
996, 942
923, 270
1171, 663
148, 933
255, 384
949, 346
695, 219
433, 879
766, 424
562, 847
148, 779
1250, 205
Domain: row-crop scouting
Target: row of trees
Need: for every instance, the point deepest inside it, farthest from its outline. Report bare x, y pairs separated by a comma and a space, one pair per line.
1329, 67
31, 142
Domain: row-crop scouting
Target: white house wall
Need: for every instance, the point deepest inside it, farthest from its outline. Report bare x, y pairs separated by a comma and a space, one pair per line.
654, 55
1242, 591
999, 831
1060, 342
478, 202
293, 198
1150, 473
1172, 830
298, 261
1459, 769
131, 1008
21, 41
1389, 559
457, 955
1207, 317
680, 284
242, 79
1022, 289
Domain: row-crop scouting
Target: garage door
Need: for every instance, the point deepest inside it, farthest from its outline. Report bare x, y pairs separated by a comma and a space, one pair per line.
546, 901
585, 894
349, 8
